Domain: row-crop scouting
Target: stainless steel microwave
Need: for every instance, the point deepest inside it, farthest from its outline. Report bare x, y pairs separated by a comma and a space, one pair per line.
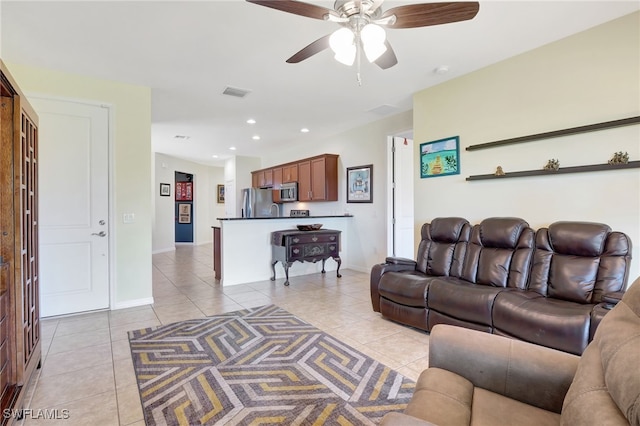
287, 193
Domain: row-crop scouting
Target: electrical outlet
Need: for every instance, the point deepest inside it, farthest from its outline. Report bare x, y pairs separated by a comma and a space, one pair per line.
128, 218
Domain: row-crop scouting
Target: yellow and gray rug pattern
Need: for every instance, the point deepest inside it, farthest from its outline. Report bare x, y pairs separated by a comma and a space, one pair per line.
259, 366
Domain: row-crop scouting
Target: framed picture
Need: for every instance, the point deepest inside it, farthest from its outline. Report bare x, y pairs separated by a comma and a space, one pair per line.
440, 158
165, 189
184, 213
184, 191
220, 194
360, 184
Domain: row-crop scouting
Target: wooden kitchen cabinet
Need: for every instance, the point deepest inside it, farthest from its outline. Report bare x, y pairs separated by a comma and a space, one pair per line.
277, 177
20, 347
290, 173
262, 178
318, 178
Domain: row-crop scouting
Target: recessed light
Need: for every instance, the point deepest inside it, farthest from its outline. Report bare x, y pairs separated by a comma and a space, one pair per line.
232, 148
214, 156
304, 130
256, 138
251, 121
442, 69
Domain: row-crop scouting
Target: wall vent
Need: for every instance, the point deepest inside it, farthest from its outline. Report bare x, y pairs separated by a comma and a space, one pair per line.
235, 91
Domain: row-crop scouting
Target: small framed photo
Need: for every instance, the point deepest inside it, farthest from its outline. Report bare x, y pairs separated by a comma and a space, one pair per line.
360, 184
440, 158
220, 196
165, 189
184, 213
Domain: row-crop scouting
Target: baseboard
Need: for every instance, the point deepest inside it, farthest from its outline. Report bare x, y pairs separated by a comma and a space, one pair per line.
133, 303
204, 242
165, 250
185, 244
363, 269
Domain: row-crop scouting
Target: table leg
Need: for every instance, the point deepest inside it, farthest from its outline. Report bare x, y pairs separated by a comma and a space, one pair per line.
273, 268
286, 271
323, 260
337, 259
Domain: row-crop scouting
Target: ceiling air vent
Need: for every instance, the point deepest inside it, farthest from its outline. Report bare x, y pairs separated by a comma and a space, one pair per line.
384, 109
235, 91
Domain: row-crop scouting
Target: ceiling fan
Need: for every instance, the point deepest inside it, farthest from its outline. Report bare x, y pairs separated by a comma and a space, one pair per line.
362, 23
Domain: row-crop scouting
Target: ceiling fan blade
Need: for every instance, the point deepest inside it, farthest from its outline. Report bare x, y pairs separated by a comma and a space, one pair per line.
316, 47
388, 58
426, 14
296, 7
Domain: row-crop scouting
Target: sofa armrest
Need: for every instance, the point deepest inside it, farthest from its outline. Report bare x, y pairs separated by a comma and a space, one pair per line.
533, 374
399, 419
380, 269
401, 261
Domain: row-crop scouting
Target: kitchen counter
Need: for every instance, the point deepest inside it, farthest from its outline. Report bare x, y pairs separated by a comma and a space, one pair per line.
281, 217
245, 247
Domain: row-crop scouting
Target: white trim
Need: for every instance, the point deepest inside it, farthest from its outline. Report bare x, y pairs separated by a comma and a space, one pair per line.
389, 196
132, 303
185, 244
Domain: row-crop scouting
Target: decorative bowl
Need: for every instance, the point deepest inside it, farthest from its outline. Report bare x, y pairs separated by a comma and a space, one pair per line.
312, 227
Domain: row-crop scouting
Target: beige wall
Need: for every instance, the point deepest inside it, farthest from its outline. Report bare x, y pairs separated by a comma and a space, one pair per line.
131, 125
587, 78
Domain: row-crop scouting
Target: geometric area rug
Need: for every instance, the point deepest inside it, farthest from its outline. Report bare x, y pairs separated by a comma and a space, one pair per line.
259, 366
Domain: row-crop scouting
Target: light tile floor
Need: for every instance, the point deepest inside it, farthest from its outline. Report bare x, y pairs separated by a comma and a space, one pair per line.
87, 367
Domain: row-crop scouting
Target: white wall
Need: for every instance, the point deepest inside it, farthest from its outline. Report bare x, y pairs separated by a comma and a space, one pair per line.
206, 208
367, 234
131, 125
588, 78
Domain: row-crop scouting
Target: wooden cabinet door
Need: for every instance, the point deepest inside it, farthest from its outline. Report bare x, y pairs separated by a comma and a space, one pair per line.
277, 178
268, 178
255, 179
290, 173
318, 184
304, 181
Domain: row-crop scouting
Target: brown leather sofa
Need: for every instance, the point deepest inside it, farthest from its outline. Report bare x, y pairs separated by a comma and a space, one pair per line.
551, 286
477, 378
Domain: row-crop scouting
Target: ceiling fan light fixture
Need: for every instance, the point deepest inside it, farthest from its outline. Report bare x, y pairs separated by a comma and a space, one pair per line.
373, 41
342, 44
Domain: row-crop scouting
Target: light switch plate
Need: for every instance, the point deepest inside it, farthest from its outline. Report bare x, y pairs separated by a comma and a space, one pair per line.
128, 218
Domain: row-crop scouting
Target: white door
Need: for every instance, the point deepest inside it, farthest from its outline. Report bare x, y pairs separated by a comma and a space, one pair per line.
74, 206
403, 226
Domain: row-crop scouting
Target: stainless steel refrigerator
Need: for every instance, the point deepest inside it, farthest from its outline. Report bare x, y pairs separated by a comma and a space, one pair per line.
258, 202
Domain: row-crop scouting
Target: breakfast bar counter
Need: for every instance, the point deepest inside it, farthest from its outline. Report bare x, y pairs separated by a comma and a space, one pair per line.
245, 247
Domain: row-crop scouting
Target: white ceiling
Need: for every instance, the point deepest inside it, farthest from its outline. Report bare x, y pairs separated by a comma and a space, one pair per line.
189, 51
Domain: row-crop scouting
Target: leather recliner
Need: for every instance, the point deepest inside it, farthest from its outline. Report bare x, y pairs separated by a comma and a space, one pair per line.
574, 265
399, 287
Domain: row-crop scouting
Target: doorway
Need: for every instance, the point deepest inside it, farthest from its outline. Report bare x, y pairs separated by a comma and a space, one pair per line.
400, 234
74, 206
184, 212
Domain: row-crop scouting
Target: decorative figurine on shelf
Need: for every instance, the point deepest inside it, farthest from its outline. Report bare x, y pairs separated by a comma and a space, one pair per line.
499, 171
552, 165
619, 158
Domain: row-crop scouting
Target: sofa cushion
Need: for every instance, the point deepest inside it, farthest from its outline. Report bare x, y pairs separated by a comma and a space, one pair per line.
490, 409
578, 238
463, 300
549, 322
410, 315
408, 287
579, 261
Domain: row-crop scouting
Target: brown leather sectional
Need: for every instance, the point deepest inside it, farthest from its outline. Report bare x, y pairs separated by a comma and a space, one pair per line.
550, 286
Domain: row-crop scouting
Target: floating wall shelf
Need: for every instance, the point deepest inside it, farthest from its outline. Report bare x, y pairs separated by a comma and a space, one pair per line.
556, 133
562, 170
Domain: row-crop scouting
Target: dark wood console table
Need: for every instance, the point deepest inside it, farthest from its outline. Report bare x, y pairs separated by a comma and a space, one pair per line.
291, 246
